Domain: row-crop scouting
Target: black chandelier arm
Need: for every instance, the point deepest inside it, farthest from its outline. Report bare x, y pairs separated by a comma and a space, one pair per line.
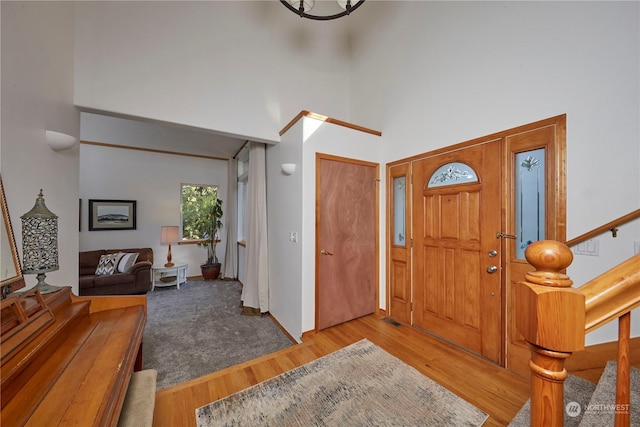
303, 14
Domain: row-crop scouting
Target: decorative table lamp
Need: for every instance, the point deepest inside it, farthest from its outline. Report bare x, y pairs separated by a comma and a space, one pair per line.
40, 244
168, 234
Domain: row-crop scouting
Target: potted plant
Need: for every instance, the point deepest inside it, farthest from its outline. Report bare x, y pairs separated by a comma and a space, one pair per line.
201, 220
212, 222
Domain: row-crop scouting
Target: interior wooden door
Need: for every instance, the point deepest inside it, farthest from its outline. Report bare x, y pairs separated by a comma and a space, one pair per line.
456, 263
399, 243
534, 157
346, 239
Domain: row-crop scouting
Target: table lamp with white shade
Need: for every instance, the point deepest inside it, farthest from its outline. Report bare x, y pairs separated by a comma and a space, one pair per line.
168, 235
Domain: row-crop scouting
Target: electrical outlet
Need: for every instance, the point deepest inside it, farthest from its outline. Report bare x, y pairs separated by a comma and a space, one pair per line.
293, 237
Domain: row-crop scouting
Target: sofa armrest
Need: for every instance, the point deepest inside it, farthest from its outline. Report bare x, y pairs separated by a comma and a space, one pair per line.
142, 272
140, 266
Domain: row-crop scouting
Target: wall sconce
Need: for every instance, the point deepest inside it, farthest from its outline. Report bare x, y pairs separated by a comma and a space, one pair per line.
288, 168
40, 244
168, 235
60, 141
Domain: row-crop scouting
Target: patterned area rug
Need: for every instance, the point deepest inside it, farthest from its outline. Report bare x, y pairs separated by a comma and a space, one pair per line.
359, 385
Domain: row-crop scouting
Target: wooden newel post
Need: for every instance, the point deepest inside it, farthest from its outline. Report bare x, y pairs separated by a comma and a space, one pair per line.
550, 315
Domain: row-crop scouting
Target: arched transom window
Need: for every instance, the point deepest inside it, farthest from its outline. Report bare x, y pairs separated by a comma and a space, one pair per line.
452, 173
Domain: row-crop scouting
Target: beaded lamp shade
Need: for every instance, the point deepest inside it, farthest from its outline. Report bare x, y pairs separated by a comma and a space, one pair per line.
40, 243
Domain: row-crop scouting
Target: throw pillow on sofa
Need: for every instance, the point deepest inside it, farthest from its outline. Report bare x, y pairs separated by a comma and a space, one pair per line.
127, 261
107, 264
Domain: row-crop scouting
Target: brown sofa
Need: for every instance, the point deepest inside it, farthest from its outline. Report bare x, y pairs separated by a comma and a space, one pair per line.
136, 280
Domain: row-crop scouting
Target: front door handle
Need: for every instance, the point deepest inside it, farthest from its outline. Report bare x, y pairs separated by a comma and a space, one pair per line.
492, 269
323, 252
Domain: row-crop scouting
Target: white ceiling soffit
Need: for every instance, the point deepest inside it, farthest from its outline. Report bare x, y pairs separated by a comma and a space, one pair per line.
118, 129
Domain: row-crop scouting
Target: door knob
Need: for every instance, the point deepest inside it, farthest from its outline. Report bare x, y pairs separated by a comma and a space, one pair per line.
323, 252
492, 269
493, 253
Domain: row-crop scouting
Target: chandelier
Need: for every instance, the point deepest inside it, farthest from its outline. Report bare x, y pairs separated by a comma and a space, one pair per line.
301, 7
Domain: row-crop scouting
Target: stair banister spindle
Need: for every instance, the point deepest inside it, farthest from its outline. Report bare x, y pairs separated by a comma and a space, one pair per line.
550, 315
623, 378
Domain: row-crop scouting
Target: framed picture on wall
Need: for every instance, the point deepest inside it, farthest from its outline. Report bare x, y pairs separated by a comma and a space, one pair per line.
112, 215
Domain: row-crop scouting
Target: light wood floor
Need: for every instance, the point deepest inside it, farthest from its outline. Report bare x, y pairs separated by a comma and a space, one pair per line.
496, 391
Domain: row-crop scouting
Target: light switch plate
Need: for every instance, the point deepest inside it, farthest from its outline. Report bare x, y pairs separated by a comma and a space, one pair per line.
590, 248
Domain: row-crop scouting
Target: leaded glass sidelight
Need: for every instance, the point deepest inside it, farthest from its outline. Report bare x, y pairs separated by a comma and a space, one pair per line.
399, 228
452, 173
530, 199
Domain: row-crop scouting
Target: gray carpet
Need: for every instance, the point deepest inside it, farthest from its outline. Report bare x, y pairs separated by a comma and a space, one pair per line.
359, 385
601, 409
198, 329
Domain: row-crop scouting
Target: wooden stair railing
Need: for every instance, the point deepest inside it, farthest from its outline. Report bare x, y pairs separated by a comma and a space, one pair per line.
554, 317
610, 226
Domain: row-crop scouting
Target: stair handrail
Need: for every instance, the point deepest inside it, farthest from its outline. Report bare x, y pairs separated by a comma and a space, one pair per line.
554, 317
610, 226
612, 294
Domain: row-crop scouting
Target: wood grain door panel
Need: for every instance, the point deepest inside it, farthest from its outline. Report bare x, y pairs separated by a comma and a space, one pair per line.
454, 230
346, 269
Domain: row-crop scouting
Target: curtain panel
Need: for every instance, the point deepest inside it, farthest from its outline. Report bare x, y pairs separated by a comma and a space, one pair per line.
255, 292
230, 266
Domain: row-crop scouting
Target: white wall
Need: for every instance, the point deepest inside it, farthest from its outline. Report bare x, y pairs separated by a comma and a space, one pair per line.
292, 207
158, 136
241, 67
284, 205
468, 69
153, 180
37, 94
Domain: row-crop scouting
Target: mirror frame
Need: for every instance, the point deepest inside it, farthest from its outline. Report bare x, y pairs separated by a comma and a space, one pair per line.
12, 280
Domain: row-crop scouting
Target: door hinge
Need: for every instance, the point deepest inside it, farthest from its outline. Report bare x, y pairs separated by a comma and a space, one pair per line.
410, 306
410, 243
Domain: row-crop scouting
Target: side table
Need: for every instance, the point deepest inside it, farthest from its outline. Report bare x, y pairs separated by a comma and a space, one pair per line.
168, 276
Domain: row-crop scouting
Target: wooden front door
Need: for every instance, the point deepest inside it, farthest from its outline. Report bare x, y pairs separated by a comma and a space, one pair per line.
346, 239
456, 261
